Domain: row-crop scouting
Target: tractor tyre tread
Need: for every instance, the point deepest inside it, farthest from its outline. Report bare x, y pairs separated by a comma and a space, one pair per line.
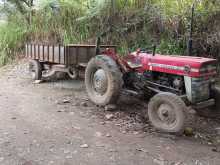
114, 79
179, 107
38, 69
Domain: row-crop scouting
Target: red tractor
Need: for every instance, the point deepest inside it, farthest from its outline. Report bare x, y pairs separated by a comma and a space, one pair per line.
174, 82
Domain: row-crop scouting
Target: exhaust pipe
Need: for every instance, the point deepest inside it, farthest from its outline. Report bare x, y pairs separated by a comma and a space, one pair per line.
190, 41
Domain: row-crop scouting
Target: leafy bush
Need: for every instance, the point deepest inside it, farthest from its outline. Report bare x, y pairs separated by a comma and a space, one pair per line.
12, 37
127, 23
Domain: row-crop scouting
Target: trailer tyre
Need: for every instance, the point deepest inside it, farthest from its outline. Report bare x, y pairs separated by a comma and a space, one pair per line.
103, 80
35, 68
166, 111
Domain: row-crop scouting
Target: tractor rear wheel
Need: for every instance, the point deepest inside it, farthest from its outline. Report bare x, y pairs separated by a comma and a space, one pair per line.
103, 80
166, 111
35, 68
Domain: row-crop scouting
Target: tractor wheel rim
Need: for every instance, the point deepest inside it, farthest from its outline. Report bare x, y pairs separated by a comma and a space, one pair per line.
100, 82
166, 114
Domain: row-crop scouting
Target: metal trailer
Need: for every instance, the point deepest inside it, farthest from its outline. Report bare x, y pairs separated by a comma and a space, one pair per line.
46, 60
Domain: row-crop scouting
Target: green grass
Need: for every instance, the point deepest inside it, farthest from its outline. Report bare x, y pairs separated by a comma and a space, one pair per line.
11, 41
134, 23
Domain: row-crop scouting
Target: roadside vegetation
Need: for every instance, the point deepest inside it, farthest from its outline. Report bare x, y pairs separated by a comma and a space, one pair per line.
127, 23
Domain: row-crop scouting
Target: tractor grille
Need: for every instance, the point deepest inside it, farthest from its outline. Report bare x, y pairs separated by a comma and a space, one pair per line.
200, 89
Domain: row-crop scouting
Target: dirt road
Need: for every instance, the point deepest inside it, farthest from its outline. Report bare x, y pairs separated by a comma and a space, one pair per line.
55, 123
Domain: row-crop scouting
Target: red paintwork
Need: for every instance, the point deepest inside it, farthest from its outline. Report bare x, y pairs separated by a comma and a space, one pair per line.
144, 60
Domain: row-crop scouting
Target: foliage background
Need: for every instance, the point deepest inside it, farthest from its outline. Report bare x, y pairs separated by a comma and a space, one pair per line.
127, 23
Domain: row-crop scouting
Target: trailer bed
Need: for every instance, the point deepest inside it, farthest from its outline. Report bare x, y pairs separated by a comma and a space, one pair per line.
68, 55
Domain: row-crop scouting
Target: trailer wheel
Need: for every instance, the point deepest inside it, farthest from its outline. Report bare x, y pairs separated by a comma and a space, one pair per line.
103, 80
73, 73
48, 72
213, 111
166, 112
35, 69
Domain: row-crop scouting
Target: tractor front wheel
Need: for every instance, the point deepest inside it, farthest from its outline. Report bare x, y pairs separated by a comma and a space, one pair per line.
166, 111
103, 80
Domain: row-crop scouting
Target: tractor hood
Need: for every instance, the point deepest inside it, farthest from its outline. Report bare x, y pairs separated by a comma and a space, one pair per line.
182, 60
181, 65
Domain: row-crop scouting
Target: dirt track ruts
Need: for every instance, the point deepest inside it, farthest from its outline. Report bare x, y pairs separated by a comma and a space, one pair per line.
55, 123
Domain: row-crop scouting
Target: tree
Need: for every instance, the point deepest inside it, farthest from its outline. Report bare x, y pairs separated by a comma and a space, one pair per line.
24, 7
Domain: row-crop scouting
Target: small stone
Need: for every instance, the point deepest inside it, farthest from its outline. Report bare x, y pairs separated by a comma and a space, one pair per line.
9, 154
108, 135
98, 134
218, 141
66, 151
188, 131
13, 118
124, 132
159, 162
1, 159
86, 99
142, 150
27, 163
191, 111
84, 146
76, 127
109, 116
26, 132
204, 123
51, 162
37, 81
71, 113
167, 148
51, 149
83, 104
102, 123
100, 145
75, 152
66, 101
69, 157
110, 107
135, 133
178, 163
112, 150
214, 150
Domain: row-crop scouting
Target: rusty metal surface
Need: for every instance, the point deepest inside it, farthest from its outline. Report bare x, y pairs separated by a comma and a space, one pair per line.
66, 55
46, 53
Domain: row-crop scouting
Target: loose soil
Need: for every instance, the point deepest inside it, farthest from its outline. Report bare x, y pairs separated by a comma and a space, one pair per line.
55, 123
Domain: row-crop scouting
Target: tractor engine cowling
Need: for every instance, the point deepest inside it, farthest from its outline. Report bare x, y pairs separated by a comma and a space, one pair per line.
198, 89
193, 77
